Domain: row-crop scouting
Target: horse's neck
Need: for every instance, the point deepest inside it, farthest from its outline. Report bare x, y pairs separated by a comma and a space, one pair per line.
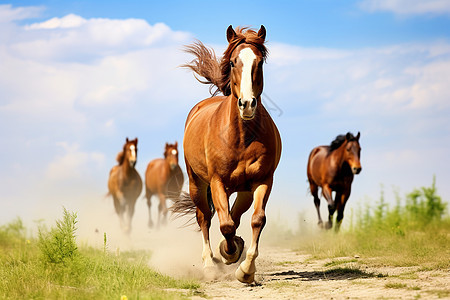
125, 166
338, 157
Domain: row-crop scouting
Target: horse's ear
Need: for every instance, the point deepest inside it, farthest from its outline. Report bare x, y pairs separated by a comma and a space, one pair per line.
167, 145
136, 139
348, 136
262, 32
357, 136
176, 144
127, 140
231, 34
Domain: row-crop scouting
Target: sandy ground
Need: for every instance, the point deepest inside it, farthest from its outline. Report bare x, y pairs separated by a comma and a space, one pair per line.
281, 273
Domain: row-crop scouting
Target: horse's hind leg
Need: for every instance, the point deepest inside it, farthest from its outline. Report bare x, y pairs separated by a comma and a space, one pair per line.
246, 270
314, 192
197, 193
231, 248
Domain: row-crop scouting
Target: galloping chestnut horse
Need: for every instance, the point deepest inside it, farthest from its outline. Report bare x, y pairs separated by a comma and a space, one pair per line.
231, 144
332, 168
165, 179
125, 184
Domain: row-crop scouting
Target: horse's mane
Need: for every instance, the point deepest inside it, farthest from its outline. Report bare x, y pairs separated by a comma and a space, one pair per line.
340, 139
120, 157
215, 72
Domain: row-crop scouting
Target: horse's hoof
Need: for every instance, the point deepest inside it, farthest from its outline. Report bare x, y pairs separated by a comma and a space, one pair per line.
234, 257
328, 225
244, 277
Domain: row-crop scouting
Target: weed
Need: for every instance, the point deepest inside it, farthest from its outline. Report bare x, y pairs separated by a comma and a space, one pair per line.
395, 285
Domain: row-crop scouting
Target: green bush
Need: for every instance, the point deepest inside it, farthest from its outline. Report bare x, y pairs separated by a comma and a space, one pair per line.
59, 245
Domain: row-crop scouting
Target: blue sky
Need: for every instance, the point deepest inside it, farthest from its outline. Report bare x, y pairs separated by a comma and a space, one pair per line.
77, 77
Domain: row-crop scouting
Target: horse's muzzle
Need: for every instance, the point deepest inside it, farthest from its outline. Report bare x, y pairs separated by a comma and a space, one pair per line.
247, 108
356, 170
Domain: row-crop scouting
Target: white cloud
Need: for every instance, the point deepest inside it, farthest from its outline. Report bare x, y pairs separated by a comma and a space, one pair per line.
391, 79
69, 21
9, 14
407, 7
73, 164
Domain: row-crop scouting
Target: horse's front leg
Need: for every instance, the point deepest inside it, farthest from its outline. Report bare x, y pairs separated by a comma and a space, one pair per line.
341, 200
327, 193
246, 271
162, 209
231, 248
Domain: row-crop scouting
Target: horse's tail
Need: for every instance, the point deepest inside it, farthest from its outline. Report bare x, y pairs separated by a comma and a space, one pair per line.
184, 206
205, 65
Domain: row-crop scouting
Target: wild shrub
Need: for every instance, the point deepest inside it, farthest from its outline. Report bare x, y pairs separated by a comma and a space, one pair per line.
59, 244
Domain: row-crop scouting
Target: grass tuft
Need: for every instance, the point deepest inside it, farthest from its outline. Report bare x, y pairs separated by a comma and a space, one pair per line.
54, 267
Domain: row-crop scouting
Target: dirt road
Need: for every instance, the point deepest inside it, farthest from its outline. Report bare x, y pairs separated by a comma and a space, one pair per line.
284, 274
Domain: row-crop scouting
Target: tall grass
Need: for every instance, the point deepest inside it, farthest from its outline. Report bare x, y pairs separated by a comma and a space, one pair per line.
414, 231
52, 266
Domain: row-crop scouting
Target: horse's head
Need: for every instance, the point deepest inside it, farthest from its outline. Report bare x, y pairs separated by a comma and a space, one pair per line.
171, 155
130, 151
243, 62
352, 152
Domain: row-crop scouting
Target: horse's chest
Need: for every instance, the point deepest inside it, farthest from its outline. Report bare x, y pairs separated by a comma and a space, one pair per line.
248, 170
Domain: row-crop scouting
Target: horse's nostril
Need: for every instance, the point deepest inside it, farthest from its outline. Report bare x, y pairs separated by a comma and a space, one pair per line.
253, 102
357, 170
240, 102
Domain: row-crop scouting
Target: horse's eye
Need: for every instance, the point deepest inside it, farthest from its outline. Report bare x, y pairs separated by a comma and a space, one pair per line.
231, 64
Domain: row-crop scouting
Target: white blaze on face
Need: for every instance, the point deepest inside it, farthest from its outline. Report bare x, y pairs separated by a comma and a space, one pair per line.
174, 152
133, 153
247, 57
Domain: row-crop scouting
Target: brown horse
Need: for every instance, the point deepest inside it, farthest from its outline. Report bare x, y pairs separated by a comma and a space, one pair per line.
231, 144
332, 168
164, 179
125, 184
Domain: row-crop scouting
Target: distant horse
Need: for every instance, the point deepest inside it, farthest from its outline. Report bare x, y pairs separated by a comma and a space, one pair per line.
332, 168
231, 144
125, 184
164, 179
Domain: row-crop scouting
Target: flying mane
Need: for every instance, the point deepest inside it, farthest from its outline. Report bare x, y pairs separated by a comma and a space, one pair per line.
120, 157
215, 72
339, 140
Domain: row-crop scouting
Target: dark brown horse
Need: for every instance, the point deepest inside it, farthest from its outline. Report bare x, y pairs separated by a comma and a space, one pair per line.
164, 179
332, 168
125, 184
231, 144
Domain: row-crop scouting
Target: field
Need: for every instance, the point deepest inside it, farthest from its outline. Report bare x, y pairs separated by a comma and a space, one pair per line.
386, 252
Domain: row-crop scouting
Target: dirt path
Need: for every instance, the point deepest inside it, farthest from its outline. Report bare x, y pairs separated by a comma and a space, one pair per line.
284, 274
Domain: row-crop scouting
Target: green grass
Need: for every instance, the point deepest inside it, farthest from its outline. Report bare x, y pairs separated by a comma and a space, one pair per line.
395, 285
413, 232
52, 266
